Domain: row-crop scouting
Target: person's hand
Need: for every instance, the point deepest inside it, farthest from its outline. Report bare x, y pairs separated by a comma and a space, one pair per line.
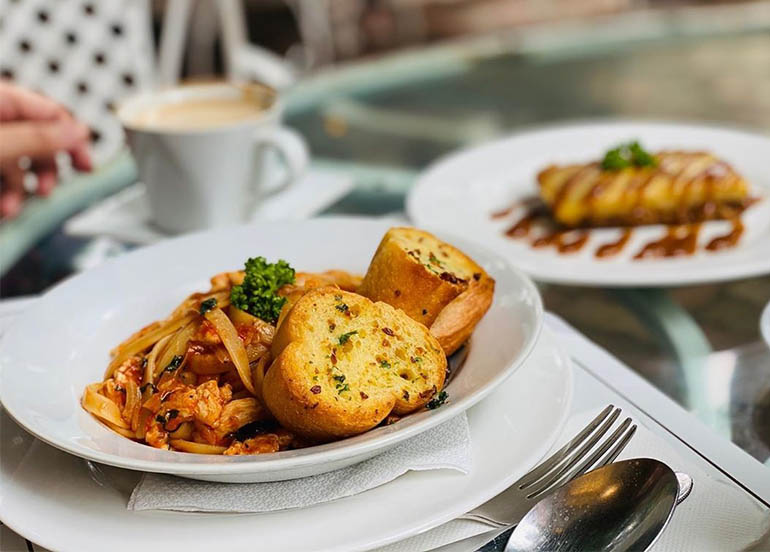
37, 128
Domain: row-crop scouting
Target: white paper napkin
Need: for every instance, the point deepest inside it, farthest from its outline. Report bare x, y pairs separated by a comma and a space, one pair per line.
447, 446
715, 517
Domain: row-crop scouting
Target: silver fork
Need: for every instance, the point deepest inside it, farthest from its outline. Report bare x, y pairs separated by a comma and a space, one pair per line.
583, 453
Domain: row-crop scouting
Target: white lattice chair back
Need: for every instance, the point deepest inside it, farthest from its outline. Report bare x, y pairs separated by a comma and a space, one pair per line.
87, 54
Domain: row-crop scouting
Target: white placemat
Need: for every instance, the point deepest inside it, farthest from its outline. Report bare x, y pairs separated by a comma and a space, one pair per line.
717, 516
447, 446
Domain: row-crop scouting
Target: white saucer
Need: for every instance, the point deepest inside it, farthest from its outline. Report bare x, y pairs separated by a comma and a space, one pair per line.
64, 503
460, 192
125, 216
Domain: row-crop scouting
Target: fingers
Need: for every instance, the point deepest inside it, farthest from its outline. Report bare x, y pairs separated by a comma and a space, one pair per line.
81, 158
19, 104
40, 139
46, 172
12, 190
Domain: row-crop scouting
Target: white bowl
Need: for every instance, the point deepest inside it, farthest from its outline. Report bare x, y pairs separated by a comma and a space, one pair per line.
61, 343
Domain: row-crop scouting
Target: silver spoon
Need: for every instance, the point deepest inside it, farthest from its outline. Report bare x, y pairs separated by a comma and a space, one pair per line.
621, 506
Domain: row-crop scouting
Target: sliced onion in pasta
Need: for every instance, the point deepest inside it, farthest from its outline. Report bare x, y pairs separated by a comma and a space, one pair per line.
239, 316
259, 369
124, 432
184, 431
152, 358
193, 302
232, 342
141, 429
102, 407
147, 340
177, 346
133, 404
192, 446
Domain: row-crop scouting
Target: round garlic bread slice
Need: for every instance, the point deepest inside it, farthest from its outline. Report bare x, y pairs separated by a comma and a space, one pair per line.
343, 363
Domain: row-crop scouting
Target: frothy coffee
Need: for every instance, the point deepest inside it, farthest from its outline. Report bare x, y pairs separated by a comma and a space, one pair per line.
198, 114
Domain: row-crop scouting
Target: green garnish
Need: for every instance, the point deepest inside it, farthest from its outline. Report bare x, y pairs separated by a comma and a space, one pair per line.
208, 304
437, 401
340, 378
257, 295
342, 307
627, 155
433, 259
385, 364
170, 415
341, 388
175, 363
344, 338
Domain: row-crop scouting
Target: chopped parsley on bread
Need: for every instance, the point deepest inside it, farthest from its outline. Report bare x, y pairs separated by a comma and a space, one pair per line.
433, 282
343, 363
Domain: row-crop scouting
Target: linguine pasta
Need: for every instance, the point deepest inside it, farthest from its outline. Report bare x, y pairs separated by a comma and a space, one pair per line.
192, 382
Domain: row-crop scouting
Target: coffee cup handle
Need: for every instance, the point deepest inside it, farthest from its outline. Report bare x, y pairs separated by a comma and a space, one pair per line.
291, 147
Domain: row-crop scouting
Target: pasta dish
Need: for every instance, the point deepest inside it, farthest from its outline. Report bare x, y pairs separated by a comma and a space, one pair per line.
268, 359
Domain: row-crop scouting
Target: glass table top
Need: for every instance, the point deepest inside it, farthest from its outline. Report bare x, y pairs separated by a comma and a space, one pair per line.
698, 344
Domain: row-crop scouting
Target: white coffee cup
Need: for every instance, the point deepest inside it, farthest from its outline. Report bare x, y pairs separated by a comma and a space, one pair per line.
201, 151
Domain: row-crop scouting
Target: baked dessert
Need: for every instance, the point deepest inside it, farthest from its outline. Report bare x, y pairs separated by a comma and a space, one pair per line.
343, 363
632, 187
433, 282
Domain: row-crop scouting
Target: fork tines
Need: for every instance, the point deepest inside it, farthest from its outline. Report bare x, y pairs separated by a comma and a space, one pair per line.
565, 464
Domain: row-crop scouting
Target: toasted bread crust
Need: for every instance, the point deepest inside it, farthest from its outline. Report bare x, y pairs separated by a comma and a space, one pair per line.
456, 322
324, 386
418, 273
402, 280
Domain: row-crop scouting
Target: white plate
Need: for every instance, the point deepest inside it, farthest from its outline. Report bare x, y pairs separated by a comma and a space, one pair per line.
461, 191
61, 343
764, 324
55, 500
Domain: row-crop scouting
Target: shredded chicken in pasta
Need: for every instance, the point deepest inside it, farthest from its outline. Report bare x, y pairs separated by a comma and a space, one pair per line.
192, 382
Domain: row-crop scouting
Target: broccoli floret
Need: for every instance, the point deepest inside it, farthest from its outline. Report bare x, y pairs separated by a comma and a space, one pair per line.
257, 294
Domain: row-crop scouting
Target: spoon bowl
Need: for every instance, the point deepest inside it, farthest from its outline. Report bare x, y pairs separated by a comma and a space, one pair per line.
621, 506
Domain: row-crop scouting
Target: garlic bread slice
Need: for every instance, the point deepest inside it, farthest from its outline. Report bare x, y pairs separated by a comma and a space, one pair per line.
343, 363
422, 275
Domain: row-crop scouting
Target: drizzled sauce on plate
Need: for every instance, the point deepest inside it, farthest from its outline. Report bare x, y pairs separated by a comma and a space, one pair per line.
613, 248
538, 227
728, 240
680, 239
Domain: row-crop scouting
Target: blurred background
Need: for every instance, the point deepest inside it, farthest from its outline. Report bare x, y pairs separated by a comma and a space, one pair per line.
382, 88
439, 72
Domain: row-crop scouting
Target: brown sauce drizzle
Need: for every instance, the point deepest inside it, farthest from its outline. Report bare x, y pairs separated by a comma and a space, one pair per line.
522, 228
561, 241
613, 248
681, 239
728, 240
